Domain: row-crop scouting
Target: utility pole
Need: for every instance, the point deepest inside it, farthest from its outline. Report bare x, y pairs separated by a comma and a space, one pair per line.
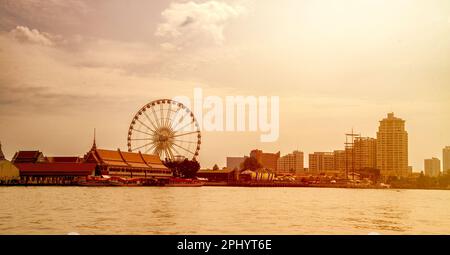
349, 145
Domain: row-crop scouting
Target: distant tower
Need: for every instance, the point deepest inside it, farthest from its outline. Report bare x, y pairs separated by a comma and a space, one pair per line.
350, 153
446, 160
94, 145
392, 147
432, 167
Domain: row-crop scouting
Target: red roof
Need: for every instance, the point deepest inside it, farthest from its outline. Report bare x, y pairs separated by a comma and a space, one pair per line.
117, 158
55, 169
26, 156
64, 159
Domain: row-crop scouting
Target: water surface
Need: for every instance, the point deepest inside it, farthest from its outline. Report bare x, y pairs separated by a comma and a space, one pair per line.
222, 210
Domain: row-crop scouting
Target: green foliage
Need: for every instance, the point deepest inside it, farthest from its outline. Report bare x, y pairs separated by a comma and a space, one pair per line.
185, 169
215, 167
251, 163
371, 173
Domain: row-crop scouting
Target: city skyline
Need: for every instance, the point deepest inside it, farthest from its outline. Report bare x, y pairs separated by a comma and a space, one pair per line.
362, 145
78, 65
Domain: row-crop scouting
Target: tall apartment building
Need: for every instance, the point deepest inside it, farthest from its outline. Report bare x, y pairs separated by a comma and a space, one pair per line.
392, 147
267, 160
291, 163
432, 167
446, 160
365, 152
321, 162
339, 160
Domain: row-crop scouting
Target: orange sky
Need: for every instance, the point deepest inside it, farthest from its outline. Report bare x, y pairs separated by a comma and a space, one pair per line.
70, 66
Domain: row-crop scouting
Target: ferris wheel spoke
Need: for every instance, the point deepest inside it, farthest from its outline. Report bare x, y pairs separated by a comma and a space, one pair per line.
156, 117
166, 122
178, 153
184, 134
188, 124
183, 141
170, 153
149, 120
157, 151
140, 131
142, 146
166, 154
140, 139
143, 124
184, 148
151, 148
174, 117
181, 119
161, 110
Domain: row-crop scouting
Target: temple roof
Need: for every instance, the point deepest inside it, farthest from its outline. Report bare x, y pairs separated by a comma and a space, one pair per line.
118, 158
27, 157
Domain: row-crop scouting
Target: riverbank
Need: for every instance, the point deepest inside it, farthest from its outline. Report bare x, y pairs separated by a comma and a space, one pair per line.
320, 185
255, 185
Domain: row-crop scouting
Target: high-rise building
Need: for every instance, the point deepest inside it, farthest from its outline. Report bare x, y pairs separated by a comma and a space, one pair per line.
291, 163
365, 152
446, 160
235, 162
432, 167
267, 160
321, 162
339, 161
392, 147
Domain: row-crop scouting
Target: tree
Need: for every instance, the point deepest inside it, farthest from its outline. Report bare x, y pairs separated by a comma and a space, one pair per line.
215, 167
251, 163
186, 168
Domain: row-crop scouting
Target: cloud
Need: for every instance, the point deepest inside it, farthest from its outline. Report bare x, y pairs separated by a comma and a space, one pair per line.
192, 22
47, 14
24, 34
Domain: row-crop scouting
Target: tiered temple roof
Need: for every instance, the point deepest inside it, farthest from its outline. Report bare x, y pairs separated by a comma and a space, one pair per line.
120, 159
27, 157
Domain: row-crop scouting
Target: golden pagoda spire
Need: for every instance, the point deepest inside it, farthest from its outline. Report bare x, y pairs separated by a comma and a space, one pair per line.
94, 145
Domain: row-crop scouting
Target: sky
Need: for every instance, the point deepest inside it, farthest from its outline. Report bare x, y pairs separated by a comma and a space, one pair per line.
69, 66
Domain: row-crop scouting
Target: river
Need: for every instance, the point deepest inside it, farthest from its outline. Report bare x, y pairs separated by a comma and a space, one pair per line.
222, 210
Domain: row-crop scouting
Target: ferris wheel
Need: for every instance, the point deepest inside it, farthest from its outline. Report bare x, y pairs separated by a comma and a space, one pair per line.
165, 128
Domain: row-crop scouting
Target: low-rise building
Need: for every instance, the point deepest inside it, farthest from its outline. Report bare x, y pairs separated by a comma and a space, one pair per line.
35, 168
218, 176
